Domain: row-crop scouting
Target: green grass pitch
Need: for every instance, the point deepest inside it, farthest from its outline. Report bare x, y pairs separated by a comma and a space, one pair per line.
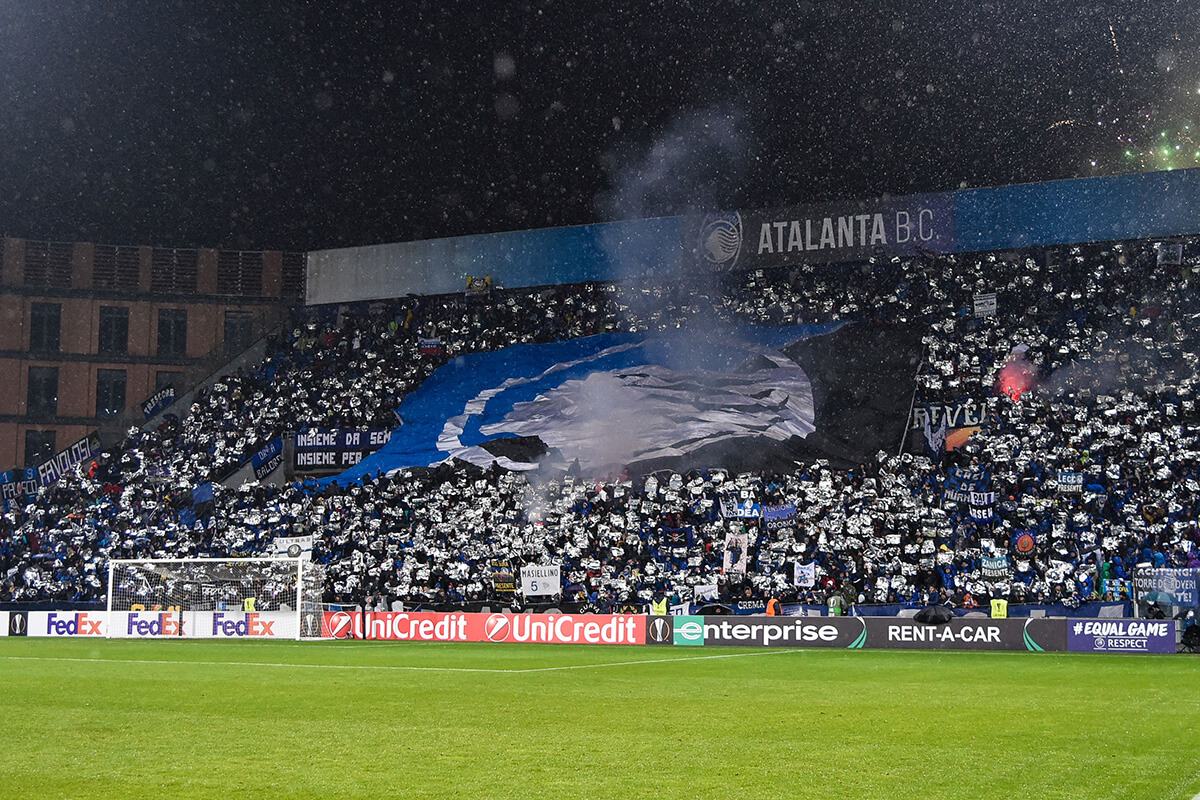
121, 719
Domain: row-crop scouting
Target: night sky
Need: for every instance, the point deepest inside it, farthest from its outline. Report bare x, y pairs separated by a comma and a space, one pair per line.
333, 124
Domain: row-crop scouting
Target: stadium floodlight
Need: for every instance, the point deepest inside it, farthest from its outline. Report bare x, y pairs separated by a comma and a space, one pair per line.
215, 598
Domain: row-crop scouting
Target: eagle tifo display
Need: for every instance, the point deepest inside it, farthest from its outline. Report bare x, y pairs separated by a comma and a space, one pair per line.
740, 398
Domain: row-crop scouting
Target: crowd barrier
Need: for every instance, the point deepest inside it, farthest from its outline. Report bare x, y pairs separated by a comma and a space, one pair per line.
152, 624
1095, 635
1028, 634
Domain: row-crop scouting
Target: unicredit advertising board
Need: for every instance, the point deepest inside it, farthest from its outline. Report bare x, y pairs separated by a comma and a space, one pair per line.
466, 627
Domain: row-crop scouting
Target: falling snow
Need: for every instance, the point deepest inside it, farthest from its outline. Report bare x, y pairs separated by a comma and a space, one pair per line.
330, 125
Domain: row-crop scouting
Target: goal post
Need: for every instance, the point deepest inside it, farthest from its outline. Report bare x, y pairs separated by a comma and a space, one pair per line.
214, 598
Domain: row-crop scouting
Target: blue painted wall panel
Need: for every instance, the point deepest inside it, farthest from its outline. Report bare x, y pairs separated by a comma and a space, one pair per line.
1157, 204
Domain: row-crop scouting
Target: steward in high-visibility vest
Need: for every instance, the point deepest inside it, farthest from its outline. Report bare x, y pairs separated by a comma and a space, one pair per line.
659, 607
773, 607
999, 609
836, 603
248, 603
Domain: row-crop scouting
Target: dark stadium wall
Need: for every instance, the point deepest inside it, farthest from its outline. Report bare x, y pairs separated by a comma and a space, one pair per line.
1144, 206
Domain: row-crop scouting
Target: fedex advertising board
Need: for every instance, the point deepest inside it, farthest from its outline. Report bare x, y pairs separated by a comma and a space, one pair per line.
499, 627
64, 623
202, 624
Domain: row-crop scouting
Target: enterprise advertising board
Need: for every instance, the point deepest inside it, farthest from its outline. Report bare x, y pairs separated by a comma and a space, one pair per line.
881, 632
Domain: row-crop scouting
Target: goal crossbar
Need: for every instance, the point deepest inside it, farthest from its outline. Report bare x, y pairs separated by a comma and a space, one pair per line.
214, 598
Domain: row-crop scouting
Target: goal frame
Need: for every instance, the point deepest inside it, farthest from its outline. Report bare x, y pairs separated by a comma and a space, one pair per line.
296, 566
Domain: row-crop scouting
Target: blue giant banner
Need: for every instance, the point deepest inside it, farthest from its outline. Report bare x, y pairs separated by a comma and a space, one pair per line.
623, 399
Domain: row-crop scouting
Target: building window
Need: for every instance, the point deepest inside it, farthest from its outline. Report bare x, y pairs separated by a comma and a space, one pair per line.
39, 446
44, 323
239, 331
172, 332
173, 270
168, 380
114, 330
43, 391
110, 392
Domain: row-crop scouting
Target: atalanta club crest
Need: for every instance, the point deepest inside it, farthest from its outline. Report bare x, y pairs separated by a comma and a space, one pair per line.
720, 241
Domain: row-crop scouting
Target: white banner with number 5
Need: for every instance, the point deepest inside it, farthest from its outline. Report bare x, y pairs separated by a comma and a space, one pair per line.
541, 579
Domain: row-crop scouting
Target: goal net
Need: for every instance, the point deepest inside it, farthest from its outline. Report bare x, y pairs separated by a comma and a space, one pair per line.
215, 598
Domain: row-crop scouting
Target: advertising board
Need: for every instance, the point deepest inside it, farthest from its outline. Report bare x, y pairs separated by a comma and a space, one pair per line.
828, 232
783, 631
886, 633
964, 633
499, 627
1121, 636
59, 623
201, 624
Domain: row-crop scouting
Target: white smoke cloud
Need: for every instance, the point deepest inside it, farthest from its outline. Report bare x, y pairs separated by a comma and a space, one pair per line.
618, 417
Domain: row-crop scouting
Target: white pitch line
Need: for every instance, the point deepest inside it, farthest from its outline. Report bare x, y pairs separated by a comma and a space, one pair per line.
1188, 781
389, 667
660, 660
251, 664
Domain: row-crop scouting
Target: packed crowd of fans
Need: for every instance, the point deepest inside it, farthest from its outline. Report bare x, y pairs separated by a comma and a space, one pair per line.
1101, 341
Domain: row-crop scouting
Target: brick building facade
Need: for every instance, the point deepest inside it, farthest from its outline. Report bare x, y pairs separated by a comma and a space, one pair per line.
88, 332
